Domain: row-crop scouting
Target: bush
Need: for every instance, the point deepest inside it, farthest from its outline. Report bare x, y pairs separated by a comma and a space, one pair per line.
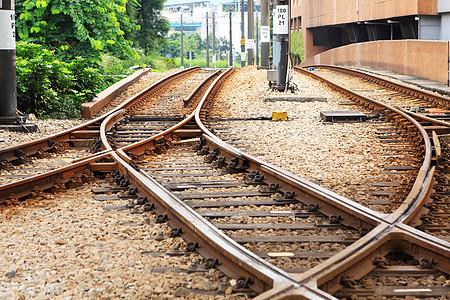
297, 46
48, 87
201, 62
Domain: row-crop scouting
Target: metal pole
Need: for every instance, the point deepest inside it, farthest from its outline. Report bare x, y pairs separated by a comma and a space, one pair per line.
250, 44
182, 53
230, 55
207, 41
214, 38
281, 35
242, 35
257, 39
265, 34
8, 85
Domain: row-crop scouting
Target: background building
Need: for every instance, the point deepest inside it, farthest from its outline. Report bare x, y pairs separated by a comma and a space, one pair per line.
332, 23
392, 34
194, 17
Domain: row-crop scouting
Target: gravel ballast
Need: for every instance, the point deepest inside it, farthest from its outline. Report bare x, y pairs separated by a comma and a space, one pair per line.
343, 157
71, 247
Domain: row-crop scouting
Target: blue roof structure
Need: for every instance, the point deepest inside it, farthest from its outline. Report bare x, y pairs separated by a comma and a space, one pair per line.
186, 24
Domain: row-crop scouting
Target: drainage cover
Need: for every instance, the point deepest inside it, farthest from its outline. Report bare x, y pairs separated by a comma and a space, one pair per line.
342, 116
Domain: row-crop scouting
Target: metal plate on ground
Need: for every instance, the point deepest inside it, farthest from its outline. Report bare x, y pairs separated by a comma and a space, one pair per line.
343, 116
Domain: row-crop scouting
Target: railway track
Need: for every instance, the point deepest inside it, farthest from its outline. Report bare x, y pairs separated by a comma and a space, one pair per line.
414, 102
58, 150
187, 175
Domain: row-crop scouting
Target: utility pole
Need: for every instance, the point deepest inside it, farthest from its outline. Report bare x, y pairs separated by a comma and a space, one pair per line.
181, 29
207, 41
242, 35
281, 35
9, 118
257, 39
251, 41
230, 55
8, 85
265, 34
214, 38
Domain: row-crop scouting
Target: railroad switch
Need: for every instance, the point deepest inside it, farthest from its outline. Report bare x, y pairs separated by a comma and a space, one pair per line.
342, 116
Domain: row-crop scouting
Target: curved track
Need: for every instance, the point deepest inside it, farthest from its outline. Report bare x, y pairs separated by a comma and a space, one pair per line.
35, 157
141, 169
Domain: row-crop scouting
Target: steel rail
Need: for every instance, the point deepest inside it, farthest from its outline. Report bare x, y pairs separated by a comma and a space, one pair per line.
265, 274
348, 256
356, 261
189, 98
234, 259
403, 121
306, 192
329, 275
358, 250
425, 119
30, 186
107, 124
54, 180
49, 142
410, 90
386, 233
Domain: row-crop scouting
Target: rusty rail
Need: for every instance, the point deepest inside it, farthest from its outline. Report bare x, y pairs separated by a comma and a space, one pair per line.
358, 259
50, 142
410, 90
381, 233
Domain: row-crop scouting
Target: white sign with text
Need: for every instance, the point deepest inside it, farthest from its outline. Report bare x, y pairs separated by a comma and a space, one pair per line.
265, 34
281, 19
7, 30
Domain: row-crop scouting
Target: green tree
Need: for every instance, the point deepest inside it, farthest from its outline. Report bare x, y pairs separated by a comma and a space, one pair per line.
49, 87
193, 42
76, 27
171, 46
297, 46
153, 27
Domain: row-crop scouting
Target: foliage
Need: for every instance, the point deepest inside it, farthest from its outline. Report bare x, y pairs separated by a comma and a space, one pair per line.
74, 28
193, 42
171, 46
153, 27
297, 45
49, 87
201, 62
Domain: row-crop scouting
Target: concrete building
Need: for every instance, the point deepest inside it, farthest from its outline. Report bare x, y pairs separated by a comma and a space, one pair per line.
367, 32
332, 23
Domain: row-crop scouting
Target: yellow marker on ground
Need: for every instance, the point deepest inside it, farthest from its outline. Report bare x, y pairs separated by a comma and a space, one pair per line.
279, 116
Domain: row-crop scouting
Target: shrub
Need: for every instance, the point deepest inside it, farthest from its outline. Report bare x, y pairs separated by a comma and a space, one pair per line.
52, 88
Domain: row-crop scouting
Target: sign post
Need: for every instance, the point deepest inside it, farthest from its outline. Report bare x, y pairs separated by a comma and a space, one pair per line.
8, 85
242, 35
281, 36
9, 118
265, 34
250, 32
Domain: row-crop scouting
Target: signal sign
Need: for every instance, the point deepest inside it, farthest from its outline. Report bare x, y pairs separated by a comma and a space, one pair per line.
265, 34
281, 19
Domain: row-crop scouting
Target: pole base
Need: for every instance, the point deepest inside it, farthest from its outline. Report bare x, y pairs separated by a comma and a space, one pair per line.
17, 124
26, 127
